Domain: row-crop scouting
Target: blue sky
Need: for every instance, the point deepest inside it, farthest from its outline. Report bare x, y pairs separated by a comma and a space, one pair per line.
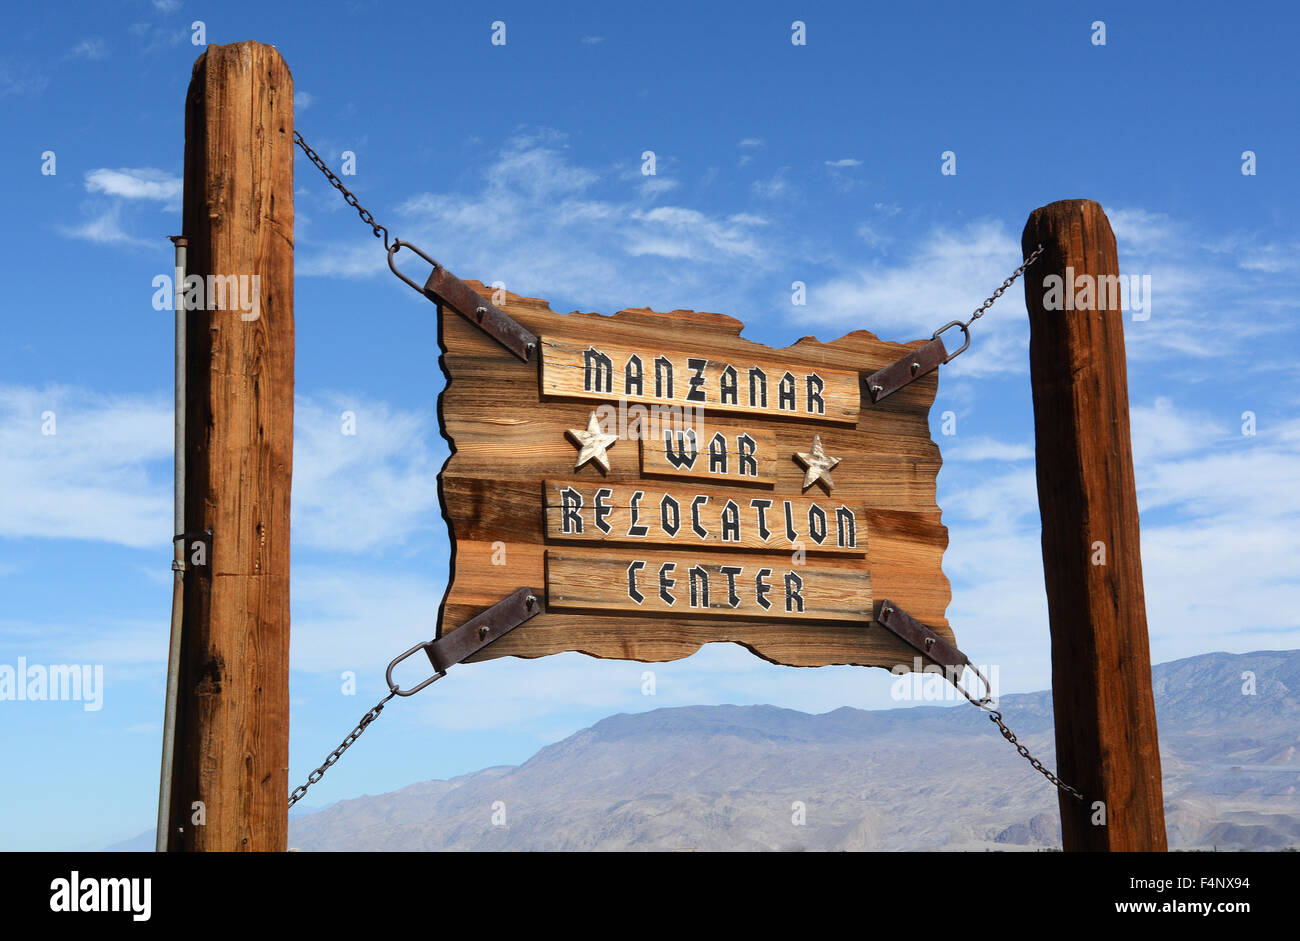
521, 163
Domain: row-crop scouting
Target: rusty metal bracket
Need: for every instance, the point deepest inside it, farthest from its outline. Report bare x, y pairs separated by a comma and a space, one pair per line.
911, 366
447, 290
484, 628
920, 638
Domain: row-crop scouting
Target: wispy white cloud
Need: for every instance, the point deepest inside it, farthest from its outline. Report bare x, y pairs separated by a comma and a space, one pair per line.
657, 185
104, 473
547, 227
1269, 258
355, 259
988, 449
115, 189
748, 147
366, 491
941, 278
1162, 430
350, 619
1211, 294
129, 648
153, 37
91, 50
99, 476
873, 236
844, 163
673, 232
1203, 304
103, 226
776, 186
19, 79
302, 100
1220, 533
135, 183
592, 40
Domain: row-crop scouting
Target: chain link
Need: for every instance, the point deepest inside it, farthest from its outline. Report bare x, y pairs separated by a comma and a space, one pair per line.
1010, 736
379, 230
988, 301
337, 753
983, 703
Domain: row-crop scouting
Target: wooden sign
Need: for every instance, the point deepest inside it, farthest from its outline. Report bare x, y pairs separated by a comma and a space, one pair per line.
712, 452
590, 368
687, 584
665, 483
583, 511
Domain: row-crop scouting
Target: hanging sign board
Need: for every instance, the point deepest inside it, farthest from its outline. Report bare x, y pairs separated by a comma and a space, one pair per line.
663, 483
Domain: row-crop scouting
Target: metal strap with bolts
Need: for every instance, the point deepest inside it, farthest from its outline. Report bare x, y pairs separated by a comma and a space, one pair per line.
442, 287
483, 629
925, 359
926, 642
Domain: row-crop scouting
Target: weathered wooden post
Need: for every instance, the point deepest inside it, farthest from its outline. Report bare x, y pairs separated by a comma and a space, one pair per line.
233, 710
1106, 742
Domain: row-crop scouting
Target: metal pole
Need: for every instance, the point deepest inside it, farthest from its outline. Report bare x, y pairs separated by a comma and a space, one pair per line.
178, 558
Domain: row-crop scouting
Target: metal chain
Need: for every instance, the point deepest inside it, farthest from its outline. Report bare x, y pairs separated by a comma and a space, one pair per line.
379, 230
983, 703
1010, 736
996, 717
334, 756
988, 301
964, 327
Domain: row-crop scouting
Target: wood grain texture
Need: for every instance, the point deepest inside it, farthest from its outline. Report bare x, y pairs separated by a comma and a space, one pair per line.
507, 438
705, 584
566, 374
639, 515
233, 710
761, 447
1106, 740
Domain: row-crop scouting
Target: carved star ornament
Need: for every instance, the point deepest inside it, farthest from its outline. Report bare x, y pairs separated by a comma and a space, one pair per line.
818, 465
592, 444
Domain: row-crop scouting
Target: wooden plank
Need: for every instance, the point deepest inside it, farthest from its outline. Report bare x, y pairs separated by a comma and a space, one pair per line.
700, 451
703, 584
507, 438
233, 707
595, 368
589, 511
1106, 740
